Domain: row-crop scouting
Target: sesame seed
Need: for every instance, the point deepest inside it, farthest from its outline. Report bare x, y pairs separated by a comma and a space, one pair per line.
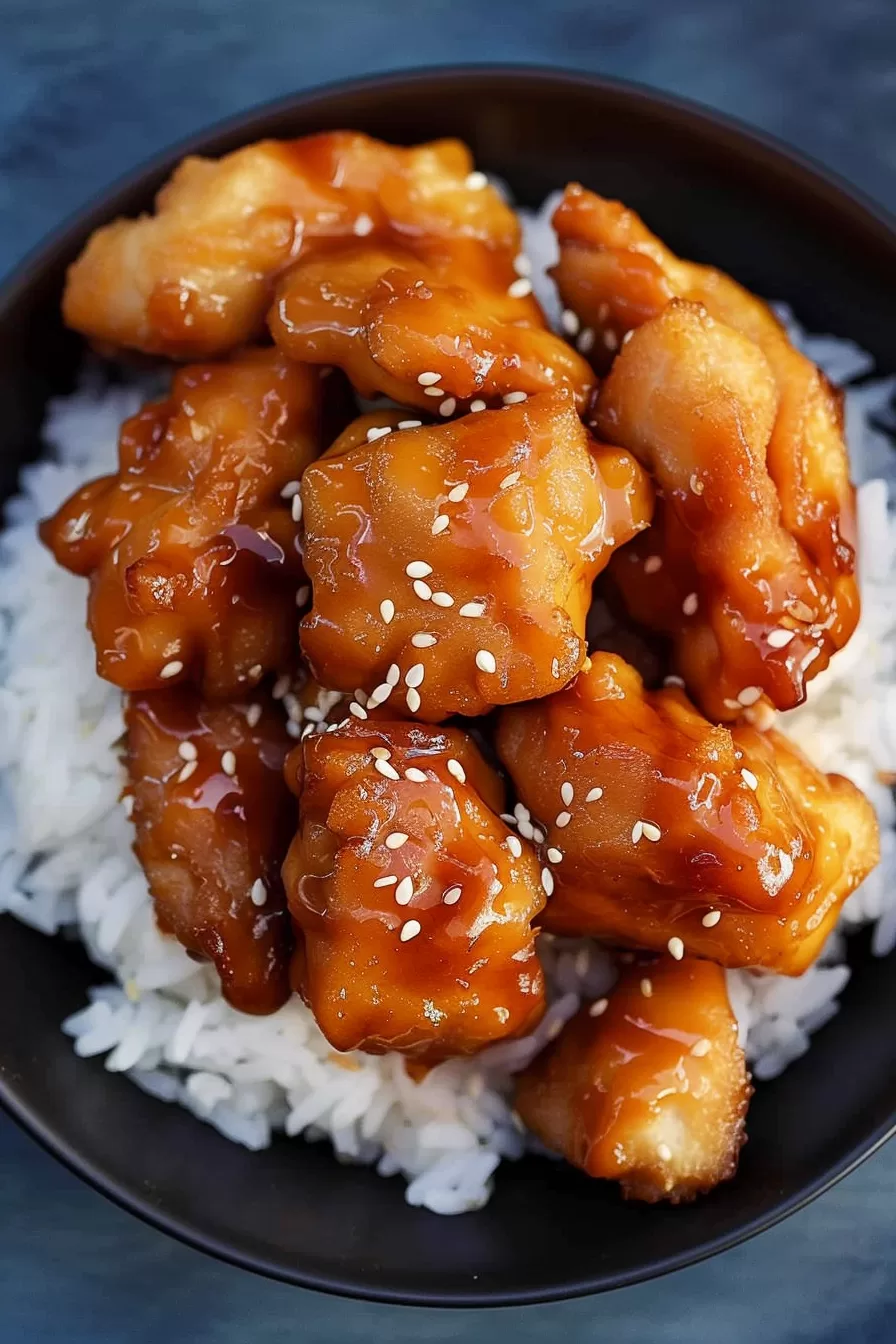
664, 1152
537, 835
478, 405
186, 771
378, 432
562, 819
388, 772
779, 638
749, 779
290, 488
172, 669
448, 406
187, 751
569, 321
690, 604
423, 640
404, 891
485, 661
395, 839
409, 930
650, 831
513, 844
521, 264
508, 819
302, 595
442, 600
521, 812
379, 695
786, 865
458, 492
510, 480
547, 881
362, 226
749, 695
228, 763
414, 775
258, 894
385, 881
696, 484
418, 569
253, 714
647, 988
585, 340
127, 803
357, 711
412, 699
520, 289
297, 508
711, 919
526, 829
423, 590
440, 524
598, 1007
593, 795
730, 704
281, 686
409, 424
555, 668
611, 340
672, 680
514, 398
428, 379
652, 564
555, 855
637, 831
475, 181
380, 753
455, 768
567, 792
451, 896
472, 609
701, 1047
434, 391
393, 676
676, 948
387, 610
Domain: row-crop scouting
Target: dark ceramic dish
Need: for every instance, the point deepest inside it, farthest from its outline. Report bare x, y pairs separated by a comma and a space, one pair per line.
716, 192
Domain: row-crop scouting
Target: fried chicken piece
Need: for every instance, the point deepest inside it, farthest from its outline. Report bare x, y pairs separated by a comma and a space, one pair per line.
192, 548
414, 900
213, 818
616, 275
648, 1088
747, 608
452, 565
426, 333
195, 279
675, 833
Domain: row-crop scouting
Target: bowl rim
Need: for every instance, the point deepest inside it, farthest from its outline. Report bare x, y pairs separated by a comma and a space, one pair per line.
767, 153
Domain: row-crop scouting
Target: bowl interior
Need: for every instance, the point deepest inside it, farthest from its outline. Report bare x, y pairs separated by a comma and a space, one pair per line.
718, 194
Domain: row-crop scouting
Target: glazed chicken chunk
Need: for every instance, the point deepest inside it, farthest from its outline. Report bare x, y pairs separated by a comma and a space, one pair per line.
431, 333
665, 831
195, 278
747, 608
192, 547
412, 899
648, 1087
213, 820
452, 565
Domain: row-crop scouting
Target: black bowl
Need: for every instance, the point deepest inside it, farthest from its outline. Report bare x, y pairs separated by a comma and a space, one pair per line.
716, 192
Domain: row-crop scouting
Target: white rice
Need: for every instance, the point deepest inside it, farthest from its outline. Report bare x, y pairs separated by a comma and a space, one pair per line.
66, 861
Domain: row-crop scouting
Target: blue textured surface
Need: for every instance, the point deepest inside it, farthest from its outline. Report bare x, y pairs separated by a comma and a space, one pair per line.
88, 89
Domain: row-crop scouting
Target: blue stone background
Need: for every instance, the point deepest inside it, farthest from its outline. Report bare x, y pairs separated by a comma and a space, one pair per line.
87, 89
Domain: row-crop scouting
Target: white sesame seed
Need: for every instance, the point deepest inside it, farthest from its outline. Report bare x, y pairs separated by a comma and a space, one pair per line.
448, 406
253, 714
385, 881
676, 948
730, 704
404, 891
358, 711
387, 610
547, 881
650, 831
379, 695
423, 590
458, 492
297, 508
172, 669
514, 398
395, 839
409, 930
647, 988
186, 771
749, 779
593, 795
290, 488
701, 1047
508, 819
509, 480
711, 919
281, 686
749, 695
555, 855
428, 379
440, 524
537, 835
637, 831
513, 844
672, 680
378, 432
451, 896
664, 1152
472, 609
611, 340
387, 771
562, 819
690, 604
569, 321
412, 699
585, 340
485, 661
423, 640
526, 829
409, 424
434, 391
414, 775
380, 753
779, 638
418, 569
598, 1007
521, 264
302, 595
652, 564
456, 769
442, 600
187, 751
696, 484
567, 792
475, 181
478, 405
521, 812
555, 668
258, 894
362, 226
393, 676
228, 763
520, 289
